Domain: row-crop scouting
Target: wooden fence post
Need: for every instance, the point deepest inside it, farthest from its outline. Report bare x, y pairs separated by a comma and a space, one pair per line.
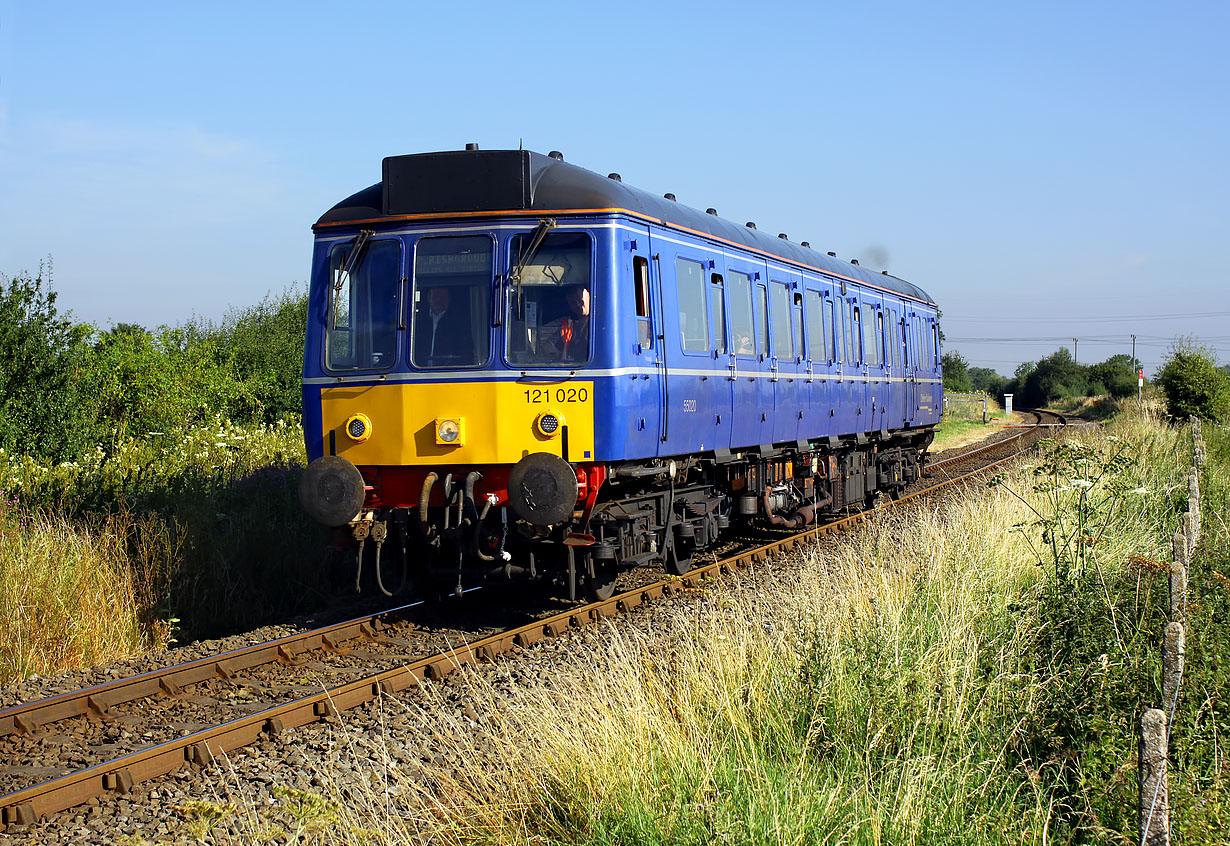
1154, 798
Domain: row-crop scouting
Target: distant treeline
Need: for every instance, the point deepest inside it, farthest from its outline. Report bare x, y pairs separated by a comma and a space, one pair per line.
68, 387
1190, 378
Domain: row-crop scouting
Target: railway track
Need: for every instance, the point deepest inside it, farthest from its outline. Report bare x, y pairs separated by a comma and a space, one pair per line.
114, 735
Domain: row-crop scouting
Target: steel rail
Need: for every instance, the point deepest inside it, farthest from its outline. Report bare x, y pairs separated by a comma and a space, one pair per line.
28, 805
97, 700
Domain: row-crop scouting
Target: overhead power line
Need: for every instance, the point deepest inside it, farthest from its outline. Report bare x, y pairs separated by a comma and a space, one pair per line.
1092, 319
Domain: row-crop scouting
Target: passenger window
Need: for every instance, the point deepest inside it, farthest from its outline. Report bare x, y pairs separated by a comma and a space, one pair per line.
845, 308
693, 311
857, 332
644, 329
781, 321
741, 334
364, 307
816, 346
874, 331
890, 339
761, 305
719, 313
838, 329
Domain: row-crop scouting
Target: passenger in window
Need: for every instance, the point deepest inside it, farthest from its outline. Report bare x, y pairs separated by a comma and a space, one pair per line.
568, 336
442, 335
743, 344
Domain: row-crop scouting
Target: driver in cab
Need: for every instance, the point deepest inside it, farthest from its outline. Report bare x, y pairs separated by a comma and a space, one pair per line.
568, 336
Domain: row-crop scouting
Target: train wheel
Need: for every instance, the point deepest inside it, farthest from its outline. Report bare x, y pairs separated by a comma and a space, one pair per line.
678, 560
601, 585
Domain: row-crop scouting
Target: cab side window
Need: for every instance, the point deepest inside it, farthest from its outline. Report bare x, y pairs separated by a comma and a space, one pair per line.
640, 276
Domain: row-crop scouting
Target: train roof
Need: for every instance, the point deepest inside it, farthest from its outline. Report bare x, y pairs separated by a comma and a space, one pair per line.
520, 181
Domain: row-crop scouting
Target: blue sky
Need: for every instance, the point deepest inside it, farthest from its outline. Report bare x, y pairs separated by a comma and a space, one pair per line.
1040, 169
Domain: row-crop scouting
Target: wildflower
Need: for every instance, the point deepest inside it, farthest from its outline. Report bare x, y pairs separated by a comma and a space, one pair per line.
1081, 483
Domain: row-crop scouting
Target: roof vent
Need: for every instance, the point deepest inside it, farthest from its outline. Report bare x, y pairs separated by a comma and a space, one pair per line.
883, 272
556, 154
854, 261
751, 224
783, 236
711, 211
471, 147
670, 197
615, 176
833, 254
806, 244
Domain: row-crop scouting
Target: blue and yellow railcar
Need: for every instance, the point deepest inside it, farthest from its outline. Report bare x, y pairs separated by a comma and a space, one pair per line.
516, 366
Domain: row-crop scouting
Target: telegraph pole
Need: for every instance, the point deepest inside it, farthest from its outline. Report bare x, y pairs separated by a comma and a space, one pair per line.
1074, 340
1140, 374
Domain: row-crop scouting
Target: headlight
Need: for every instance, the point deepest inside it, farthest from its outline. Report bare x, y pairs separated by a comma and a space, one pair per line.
448, 431
549, 423
359, 427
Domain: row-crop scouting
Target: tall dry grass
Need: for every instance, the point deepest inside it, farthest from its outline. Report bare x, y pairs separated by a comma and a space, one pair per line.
179, 536
900, 688
885, 692
69, 595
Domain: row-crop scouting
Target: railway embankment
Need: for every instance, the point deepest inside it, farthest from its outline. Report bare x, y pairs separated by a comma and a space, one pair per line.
972, 668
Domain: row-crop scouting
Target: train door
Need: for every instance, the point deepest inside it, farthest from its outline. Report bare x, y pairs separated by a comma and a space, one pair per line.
910, 345
860, 389
817, 365
751, 393
786, 353
893, 364
847, 400
687, 323
879, 388
721, 411
640, 393
908, 393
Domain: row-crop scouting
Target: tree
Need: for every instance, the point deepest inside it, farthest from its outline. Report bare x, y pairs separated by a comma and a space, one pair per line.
987, 380
1040, 383
956, 373
1116, 375
1192, 382
40, 369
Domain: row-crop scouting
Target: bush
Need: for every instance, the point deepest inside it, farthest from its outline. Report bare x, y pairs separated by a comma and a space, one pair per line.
265, 345
1192, 382
40, 364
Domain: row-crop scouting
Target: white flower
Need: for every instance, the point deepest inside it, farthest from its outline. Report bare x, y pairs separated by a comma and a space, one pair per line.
1139, 491
1081, 483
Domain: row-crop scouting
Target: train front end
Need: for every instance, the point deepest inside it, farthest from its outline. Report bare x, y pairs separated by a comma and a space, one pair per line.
447, 413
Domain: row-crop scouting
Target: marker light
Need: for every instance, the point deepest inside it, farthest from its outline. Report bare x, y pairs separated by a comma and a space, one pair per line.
549, 423
359, 427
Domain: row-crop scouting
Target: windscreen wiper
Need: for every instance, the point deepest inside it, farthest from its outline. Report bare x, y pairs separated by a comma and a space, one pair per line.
540, 234
352, 261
